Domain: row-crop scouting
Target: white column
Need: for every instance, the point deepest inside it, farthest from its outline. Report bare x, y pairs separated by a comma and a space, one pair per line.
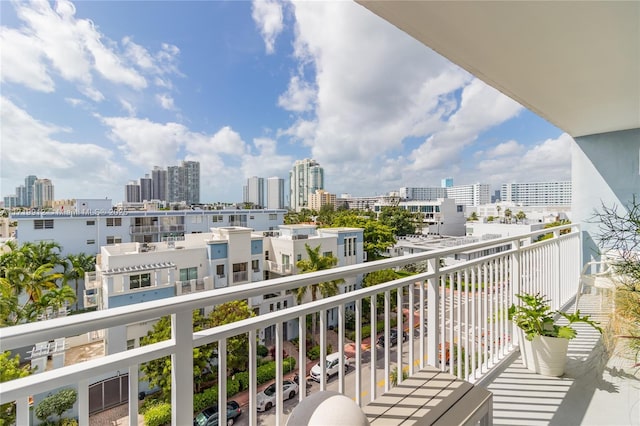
83, 403
133, 395
182, 368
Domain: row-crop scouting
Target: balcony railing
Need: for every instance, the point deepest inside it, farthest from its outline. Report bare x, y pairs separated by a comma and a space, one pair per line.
461, 324
278, 268
240, 276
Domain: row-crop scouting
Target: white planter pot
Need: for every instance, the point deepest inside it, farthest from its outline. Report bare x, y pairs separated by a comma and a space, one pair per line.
544, 355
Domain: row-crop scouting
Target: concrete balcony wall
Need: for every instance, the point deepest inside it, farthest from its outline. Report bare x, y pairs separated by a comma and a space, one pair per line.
458, 309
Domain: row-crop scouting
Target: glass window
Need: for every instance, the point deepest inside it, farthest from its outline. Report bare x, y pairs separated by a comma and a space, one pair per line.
220, 271
187, 274
90, 242
114, 221
114, 239
91, 222
255, 265
131, 343
273, 216
139, 281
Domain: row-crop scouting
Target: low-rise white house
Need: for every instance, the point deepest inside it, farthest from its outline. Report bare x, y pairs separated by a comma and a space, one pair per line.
442, 216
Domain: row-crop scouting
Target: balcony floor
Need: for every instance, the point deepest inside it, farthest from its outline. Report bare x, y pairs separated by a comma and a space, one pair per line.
600, 385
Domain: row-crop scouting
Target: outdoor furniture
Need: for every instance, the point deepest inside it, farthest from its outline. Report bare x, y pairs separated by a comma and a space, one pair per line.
432, 397
599, 275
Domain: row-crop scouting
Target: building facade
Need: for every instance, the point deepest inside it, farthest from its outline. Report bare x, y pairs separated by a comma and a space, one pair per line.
470, 195
43, 193
321, 198
254, 193
305, 178
275, 193
132, 192
441, 217
537, 193
159, 184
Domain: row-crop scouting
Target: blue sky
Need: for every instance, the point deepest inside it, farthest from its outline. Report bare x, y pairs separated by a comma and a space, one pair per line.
96, 93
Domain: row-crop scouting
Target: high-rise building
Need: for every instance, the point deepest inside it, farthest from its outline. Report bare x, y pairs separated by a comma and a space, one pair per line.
255, 191
470, 195
159, 184
146, 188
305, 178
447, 182
275, 193
132, 192
11, 201
42, 193
183, 182
422, 194
537, 193
28, 184
21, 195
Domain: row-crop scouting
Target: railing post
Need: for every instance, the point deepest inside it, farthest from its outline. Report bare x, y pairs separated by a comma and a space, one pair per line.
222, 380
133, 395
400, 331
302, 356
516, 283
340, 348
373, 337
279, 373
182, 368
253, 363
433, 314
358, 364
387, 339
83, 403
323, 350
411, 326
22, 412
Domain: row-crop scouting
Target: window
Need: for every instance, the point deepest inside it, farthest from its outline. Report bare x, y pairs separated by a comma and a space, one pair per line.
43, 224
114, 240
299, 257
459, 208
139, 281
91, 222
220, 271
240, 272
273, 216
251, 217
327, 254
266, 255
196, 219
187, 274
90, 242
285, 259
131, 343
216, 218
255, 265
114, 221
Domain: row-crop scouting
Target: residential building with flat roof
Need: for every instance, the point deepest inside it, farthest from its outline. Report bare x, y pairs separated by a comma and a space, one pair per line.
537, 193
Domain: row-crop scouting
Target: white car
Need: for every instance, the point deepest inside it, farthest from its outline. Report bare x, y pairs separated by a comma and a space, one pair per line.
332, 366
267, 398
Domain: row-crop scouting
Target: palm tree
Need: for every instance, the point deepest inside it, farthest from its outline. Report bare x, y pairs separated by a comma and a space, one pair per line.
507, 214
58, 297
520, 216
43, 252
317, 262
77, 266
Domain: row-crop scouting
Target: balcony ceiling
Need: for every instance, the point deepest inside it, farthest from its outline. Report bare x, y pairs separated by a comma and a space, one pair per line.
574, 63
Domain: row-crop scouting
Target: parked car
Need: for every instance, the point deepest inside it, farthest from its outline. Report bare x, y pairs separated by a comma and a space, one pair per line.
332, 366
267, 398
393, 337
209, 416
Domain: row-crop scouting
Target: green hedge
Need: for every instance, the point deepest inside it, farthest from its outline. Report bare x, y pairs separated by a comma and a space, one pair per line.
158, 415
366, 329
240, 382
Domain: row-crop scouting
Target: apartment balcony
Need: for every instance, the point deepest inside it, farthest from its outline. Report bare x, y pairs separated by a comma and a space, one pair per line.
278, 268
91, 280
461, 308
191, 286
154, 229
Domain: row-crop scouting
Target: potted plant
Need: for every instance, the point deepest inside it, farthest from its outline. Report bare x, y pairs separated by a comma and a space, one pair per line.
543, 343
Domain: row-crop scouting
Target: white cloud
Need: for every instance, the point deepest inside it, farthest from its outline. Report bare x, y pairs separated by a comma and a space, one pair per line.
166, 101
266, 161
22, 63
298, 97
74, 167
506, 149
549, 159
267, 15
131, 110
92, 93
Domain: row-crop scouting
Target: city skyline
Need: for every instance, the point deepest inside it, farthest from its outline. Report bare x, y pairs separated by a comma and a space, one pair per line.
262, 85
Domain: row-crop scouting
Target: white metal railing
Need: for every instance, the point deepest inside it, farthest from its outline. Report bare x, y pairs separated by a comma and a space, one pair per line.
279, 268
464, 307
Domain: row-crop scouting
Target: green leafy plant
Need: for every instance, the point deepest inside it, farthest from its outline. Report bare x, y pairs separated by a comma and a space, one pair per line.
56, 404
535, 318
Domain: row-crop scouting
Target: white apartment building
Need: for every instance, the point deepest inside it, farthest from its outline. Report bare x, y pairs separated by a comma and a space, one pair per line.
275, 193
255, 191
470, 195
93, 224
442, 217
422, 193
537, 193
305, 178
43, 193
131, 273
287, 246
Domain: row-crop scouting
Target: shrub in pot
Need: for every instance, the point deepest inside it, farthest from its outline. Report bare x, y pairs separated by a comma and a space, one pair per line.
543, 343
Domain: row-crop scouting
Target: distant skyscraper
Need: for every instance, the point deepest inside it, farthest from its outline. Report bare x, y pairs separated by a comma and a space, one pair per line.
159, 184
42, 193
146, 188
132, 192
255, 191
21, 195
470, 195
305, 178
183, 182
447, 182
275, 193
28, 184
